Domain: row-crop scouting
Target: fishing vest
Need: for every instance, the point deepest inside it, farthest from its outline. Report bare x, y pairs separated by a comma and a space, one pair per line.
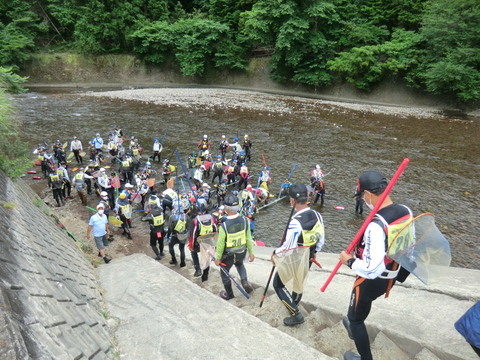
392, 219
125, 164
312, 228
135, 151
205, 224
79, 182
171, 193
218, 165
236, 230
157, 217
204, 144
126, 210
55, 179
181, 227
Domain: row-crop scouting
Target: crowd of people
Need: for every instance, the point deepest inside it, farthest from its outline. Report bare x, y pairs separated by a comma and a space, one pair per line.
185, 213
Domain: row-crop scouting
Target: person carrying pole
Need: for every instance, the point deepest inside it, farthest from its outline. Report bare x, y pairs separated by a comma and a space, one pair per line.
305, 229
234, 240
203, 224
376, 274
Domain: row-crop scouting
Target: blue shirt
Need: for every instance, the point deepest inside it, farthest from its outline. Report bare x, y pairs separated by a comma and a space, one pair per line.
98, 224
97, 142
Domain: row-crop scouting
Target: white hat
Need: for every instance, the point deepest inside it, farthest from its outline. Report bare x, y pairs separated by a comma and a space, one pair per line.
128, 185
205, 185
102, 170
103, 193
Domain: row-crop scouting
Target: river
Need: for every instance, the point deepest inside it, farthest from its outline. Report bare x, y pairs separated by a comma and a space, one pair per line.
443, 176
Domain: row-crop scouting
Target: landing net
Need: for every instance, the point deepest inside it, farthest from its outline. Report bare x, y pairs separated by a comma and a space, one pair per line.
207, 243
292, 267
421, 249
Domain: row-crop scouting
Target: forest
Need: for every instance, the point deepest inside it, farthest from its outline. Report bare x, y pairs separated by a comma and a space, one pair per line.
431, 45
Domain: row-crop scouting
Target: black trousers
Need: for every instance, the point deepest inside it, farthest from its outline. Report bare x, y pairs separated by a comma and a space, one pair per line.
364, 292
196, 265
181, 246
156, 236
229, 260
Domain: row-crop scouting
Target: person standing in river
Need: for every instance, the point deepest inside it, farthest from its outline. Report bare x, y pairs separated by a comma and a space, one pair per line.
247, 147
376, 274
76, 147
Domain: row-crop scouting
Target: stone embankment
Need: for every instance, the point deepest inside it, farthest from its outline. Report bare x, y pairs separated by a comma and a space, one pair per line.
51, 300
52, 304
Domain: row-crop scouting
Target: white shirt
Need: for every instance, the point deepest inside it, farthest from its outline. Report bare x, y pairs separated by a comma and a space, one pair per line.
157, 146
294, 231
372, 265
76, 145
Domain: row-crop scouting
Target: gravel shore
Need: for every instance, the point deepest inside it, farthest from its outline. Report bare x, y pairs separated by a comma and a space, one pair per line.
254, 101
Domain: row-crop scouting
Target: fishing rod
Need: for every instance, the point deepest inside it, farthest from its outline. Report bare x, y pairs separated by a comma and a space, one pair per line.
273, 202
188, 181
57, 220
163, 138
225, 271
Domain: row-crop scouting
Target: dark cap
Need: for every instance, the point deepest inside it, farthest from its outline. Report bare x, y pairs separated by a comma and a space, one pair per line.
371, 181
297, 191
231, 200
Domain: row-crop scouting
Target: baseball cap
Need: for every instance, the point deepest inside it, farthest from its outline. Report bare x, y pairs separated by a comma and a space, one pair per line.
231, 200
297, 191
370, 180
100, 206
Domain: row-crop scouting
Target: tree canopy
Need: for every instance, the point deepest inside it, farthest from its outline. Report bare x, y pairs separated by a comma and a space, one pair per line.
433, 45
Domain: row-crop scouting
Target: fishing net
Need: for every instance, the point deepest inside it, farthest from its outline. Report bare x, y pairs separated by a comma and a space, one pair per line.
207, 243
136, 197
292, 267
150, 182
114, 221
421, 248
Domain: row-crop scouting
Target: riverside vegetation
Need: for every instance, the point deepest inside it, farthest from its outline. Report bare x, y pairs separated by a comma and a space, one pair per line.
431, 45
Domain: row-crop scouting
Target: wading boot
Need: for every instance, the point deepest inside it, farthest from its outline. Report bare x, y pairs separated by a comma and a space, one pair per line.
294, 320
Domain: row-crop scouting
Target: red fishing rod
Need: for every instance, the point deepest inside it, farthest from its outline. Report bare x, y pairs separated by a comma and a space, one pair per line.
367, 221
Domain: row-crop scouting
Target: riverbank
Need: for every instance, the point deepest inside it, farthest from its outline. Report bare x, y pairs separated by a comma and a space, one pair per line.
82, 72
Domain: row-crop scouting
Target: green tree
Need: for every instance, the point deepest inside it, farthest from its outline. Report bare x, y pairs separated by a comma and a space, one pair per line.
451, 31
367, 65
11, 82
301, 33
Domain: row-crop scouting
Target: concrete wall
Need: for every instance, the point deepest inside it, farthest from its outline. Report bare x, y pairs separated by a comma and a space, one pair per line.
51, 304
126, 70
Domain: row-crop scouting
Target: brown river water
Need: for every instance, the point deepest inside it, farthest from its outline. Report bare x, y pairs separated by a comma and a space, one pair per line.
443, 176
